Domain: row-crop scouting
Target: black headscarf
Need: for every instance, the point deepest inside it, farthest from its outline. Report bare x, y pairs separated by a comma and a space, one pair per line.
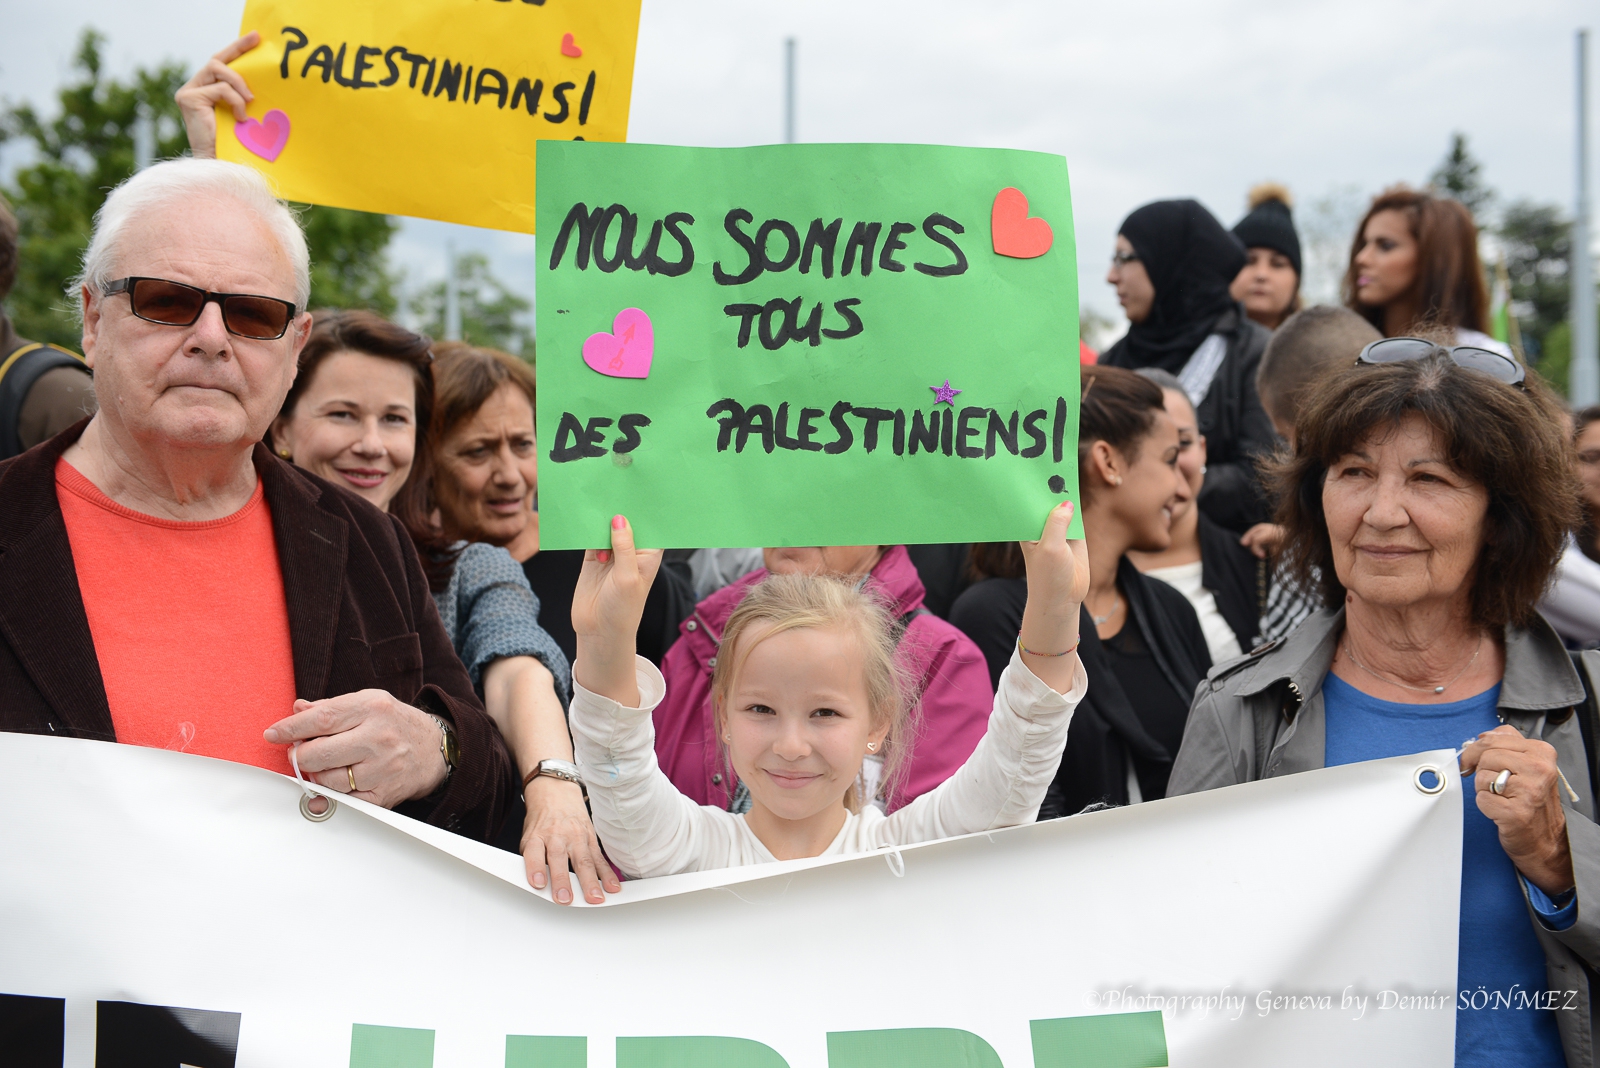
1191, 261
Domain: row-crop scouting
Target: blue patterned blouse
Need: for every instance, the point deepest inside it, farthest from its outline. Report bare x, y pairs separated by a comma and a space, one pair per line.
490, 611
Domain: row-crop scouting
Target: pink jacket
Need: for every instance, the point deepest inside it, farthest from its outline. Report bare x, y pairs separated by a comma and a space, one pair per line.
954, 679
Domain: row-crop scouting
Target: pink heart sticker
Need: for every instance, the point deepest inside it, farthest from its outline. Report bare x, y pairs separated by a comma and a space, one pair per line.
626, 352
569, 47
265, 138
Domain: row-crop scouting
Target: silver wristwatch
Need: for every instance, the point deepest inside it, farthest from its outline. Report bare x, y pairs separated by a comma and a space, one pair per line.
559, 769
565, 770
448, 749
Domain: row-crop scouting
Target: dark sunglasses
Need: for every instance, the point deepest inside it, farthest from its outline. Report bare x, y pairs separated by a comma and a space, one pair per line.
156, 300
1404, 349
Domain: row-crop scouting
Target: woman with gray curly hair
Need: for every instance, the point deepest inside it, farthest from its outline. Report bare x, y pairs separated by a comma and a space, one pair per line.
1429, 498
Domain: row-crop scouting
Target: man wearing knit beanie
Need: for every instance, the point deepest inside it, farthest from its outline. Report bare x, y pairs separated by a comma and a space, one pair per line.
1269, 285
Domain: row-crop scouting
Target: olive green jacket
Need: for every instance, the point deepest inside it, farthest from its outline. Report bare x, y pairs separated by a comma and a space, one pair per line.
1262, 715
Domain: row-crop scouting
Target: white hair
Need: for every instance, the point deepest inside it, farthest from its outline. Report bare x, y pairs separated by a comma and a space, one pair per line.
180, 181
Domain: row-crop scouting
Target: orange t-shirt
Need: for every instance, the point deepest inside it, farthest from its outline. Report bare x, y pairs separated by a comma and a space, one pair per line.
189, 622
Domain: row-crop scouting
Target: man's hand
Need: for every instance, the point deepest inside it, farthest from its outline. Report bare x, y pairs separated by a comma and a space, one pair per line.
388, 750
558, 832
213, 84
1527, 811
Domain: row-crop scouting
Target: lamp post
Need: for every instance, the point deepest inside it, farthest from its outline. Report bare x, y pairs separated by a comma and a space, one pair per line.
1585, 375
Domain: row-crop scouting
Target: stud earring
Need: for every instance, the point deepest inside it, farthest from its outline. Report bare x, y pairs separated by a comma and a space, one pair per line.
872, 747
1116, 480
285, 453
727, 737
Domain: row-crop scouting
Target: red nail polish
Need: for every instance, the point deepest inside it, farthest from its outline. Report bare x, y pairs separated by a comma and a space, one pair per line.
617, 522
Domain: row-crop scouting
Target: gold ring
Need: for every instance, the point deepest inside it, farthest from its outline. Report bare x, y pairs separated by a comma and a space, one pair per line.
351, 772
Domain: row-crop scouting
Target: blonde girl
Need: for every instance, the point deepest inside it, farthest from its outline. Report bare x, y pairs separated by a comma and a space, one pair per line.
805, 689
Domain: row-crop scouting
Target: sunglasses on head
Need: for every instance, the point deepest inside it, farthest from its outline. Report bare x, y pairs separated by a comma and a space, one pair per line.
1496, 365
156, 300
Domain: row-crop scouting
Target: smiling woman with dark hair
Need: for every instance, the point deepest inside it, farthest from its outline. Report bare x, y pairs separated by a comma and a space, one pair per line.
1143, 647
358, 415
1429, 499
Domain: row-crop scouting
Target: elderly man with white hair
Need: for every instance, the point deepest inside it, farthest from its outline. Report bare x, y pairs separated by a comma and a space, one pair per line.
166, 581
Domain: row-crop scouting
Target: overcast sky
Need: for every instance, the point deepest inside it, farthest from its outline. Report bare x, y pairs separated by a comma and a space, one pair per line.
1145, 98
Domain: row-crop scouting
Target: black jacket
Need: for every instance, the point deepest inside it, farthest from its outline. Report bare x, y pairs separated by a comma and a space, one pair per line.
1105, 728
1236, 578
360, 616
1235, 424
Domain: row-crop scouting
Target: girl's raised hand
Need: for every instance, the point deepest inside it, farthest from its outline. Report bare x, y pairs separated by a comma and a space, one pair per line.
606, 608
213, 84
1058, 581
1058, 569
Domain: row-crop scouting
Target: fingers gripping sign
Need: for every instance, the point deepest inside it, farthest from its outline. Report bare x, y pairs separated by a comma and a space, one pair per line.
1058, 581
1058, 568
367, 744
606, 608
215, 84
1525, 805
557, 835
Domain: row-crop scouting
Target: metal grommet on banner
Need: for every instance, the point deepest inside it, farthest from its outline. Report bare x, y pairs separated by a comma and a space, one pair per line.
317, 817
897, 863
306, 794
1418, 779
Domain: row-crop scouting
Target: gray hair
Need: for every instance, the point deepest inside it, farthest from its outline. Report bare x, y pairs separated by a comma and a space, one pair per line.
182, 180
1165, 379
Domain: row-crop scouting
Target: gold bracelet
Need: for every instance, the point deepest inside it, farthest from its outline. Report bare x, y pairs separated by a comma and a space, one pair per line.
1030, 652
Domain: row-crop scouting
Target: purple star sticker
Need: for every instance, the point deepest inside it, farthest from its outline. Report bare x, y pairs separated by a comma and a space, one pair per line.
944, 394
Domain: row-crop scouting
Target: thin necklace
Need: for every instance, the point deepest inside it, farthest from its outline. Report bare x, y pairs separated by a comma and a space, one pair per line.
1100, 621
1349, 648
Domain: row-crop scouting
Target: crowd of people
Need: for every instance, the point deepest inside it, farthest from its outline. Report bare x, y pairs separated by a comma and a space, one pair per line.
309, 541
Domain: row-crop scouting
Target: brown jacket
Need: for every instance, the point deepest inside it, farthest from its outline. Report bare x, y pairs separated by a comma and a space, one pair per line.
360, 616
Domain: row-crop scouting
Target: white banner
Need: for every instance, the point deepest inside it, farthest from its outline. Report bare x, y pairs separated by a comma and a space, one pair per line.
165, 909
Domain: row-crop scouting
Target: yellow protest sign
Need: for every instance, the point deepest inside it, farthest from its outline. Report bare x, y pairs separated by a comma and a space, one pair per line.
429, 108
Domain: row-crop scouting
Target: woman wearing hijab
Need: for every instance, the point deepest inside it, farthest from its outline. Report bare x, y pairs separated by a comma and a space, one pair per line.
1172, 269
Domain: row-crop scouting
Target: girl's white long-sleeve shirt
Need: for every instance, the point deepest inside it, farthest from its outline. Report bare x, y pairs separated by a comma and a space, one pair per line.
649, 829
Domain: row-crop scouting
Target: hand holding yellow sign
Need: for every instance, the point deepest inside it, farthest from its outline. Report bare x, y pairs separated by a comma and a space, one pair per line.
427, 107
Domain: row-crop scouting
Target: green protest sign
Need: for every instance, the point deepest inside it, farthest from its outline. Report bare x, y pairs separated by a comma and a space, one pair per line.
804, 344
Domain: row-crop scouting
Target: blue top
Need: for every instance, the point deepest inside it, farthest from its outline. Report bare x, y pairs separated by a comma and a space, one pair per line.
1498, 949
490, 612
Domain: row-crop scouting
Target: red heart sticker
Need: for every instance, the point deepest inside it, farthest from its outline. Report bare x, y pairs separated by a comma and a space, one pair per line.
569, 47
1013, 233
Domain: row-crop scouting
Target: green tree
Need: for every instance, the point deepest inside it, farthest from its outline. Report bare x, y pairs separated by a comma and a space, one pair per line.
88, 149
348, 265
1555, 365
82, 153
1460, 175
1537, 242
491, 314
